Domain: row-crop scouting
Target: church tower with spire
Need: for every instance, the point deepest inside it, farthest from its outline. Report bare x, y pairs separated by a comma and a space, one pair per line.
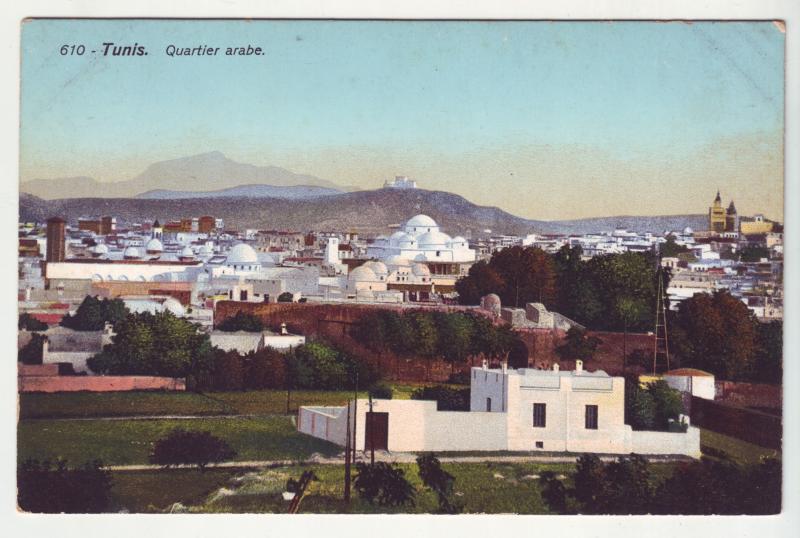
717, 216
731, 219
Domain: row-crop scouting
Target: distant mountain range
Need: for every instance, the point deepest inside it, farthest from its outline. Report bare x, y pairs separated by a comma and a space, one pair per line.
371, 211
247, 191
211, 171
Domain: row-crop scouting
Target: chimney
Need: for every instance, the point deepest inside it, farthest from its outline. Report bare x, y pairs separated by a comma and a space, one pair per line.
578, 366
283, 329
485, 364
555, 367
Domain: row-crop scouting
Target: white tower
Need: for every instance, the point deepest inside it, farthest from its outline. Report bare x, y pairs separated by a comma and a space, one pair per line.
332, 251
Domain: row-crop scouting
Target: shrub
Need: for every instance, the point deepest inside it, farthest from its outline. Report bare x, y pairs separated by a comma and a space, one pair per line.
94, 313
438, 480
183, 447
383, 484
381, 391
285, 297
242, 321
31, 353
43, 487
447, 399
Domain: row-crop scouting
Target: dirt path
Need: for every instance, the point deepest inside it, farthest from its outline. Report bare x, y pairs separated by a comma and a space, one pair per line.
397, 457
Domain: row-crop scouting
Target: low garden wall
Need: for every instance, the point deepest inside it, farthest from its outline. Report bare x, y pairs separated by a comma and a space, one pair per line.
647, 442
66, 383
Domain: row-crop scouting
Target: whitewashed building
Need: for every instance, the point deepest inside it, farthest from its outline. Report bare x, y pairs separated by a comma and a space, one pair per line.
518, 410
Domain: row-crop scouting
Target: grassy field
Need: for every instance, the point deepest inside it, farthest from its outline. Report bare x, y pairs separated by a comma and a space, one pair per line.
122, 442
742, 452
146, 403
494, 488
157, 491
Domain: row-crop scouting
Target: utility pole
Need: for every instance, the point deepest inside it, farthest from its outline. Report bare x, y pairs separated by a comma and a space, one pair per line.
661, 345
371, 433
355, 417
347, 459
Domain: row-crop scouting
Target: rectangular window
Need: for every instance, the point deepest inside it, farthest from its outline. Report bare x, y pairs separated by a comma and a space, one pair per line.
539, 415
539, 444
591, 417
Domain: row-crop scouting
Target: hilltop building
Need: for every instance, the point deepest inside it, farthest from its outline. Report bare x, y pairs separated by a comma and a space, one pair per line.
400, 182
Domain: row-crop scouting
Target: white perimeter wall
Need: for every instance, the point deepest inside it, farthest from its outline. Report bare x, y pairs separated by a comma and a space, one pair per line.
687, 444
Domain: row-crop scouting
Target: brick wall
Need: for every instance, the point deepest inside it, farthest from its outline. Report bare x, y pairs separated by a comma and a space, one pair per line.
746, 424
750, 394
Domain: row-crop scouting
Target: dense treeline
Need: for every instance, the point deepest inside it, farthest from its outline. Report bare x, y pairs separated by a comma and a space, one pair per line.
453, 337
628, 486
608, 292
313, 366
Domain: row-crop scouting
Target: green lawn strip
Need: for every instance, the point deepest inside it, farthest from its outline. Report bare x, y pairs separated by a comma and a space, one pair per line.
147, 403
113, 404
273, 402
157, 491
123, 442
742, 452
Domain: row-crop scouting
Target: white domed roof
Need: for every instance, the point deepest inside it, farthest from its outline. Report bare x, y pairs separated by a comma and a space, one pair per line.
131, 252
421, 221
242, 254
399, 238
459, 239
154, 245
397, 261
379, 268
207, 249
688, 231
100, 249
434, 239
420, 269
173, 305
362, 274
187, 252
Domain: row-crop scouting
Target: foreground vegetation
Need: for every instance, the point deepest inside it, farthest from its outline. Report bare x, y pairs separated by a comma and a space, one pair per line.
126, 442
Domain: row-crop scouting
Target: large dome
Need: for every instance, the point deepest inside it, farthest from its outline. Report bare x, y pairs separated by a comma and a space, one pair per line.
362, 274
397, 261
421, 221
420, 269
242, 254
400, 237
436, 239
154, 245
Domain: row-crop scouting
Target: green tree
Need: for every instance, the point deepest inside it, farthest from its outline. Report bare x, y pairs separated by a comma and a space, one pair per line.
285, 297
716, 333
94, 313
628, 310
426, 334
242, 321
383, 484
768, 361
447, 398
577, 345
455, 336
640, 409
183, 447
153, 344
481, 280
667, 403
670, 249
317, 366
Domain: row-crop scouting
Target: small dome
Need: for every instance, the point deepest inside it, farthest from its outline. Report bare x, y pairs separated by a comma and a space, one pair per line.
362, 274
459, 240
421, 221
420, 269
100, 250
379, 268
131, 253
154, 245
242, 254
688, 231
434, 239
397, 261
187, 252
401, 238
207, 249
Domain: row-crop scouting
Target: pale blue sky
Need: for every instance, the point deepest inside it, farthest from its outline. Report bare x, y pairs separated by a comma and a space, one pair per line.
544, 119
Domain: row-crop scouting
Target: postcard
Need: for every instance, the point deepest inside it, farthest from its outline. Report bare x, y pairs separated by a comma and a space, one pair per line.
400, 267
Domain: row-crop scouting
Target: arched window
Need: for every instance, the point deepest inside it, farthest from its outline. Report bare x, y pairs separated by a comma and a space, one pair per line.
488, 404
